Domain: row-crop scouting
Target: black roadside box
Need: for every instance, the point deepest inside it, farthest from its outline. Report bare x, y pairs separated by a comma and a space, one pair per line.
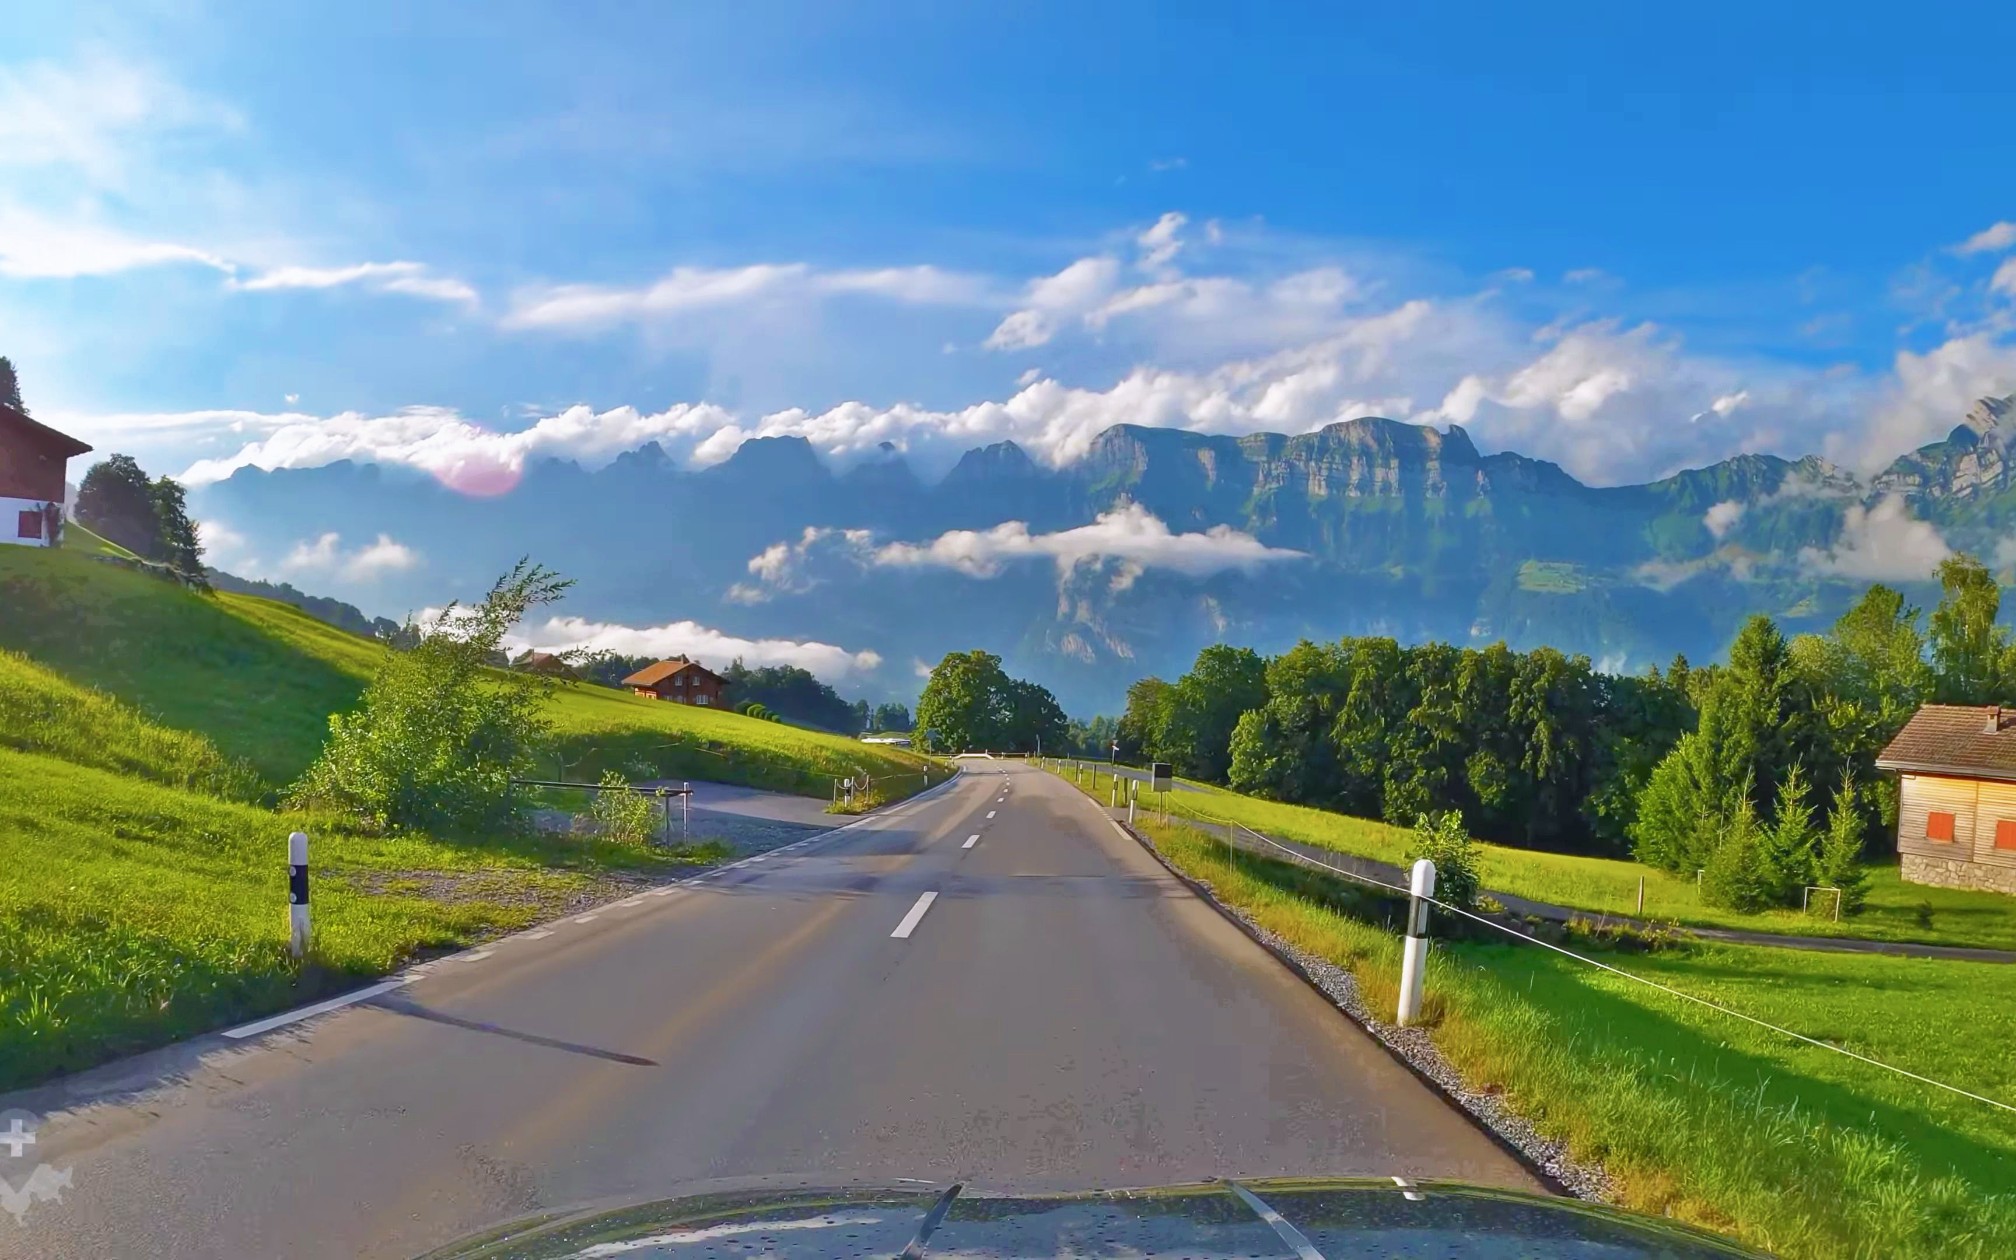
1159, 776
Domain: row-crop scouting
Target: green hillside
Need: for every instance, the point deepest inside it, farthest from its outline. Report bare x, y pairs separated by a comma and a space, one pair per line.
42, 712
259, 679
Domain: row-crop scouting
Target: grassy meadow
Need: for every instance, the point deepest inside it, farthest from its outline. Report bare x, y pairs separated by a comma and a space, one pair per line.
1694, 1114
1895, 910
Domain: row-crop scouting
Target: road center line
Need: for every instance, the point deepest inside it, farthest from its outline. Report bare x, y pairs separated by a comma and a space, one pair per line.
916, 916
971, 841
990, 813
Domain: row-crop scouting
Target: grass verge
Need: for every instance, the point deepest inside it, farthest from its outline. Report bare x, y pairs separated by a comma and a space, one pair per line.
1896, 911
1695, 1115
133, 914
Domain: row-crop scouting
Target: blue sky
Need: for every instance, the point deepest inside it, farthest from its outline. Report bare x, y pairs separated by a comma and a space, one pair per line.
1625, 238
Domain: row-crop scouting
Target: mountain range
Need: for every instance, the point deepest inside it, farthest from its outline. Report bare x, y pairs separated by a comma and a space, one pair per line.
1159, 541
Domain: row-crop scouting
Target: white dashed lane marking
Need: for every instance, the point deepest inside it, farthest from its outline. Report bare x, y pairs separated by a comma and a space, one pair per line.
990, 813
584, 918
916, 916
971, 841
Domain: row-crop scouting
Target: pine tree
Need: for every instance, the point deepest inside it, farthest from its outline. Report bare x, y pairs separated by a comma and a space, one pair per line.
10, 387
1735, 876
1840, 859
1790, 846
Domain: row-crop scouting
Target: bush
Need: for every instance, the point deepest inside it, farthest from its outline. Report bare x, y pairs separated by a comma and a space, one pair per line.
439, 734
621, 814
1442, 840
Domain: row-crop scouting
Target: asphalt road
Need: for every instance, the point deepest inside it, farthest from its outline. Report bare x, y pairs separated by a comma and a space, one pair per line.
1061, 1014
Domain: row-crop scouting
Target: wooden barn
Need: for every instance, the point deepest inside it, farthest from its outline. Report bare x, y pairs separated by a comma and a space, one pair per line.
1956, 807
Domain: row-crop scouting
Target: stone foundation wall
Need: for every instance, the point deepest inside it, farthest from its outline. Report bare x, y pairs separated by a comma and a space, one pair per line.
1948, 873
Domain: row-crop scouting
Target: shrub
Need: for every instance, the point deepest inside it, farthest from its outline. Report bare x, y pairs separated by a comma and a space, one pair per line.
439, 735
1441, 839
621, 814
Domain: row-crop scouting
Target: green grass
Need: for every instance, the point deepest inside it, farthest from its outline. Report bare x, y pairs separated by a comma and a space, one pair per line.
1607, 885
43, 712
1552, 577
79, 539
132, 913
259, 678
182, 659
1797, 1150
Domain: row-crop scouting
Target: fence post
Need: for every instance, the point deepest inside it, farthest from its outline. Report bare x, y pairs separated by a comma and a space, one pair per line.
1414, 958
1116, 791
686, 813
1133, 795
1641, 896
297, 894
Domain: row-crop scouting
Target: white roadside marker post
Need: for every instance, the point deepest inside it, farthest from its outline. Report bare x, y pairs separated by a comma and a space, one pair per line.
1414, 958
297, 894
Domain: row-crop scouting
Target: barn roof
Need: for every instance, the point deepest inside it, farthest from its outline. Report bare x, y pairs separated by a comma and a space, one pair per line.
652, 675
20, 423
1967, 740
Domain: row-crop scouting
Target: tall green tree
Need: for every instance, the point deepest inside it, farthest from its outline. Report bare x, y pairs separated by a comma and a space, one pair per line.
1283, 750
1968, 648
116, 499
438, 735
10, 387
964, 707
1375, 706
1035, 719
1141, 725
1206, 704
1790, 849
176, 544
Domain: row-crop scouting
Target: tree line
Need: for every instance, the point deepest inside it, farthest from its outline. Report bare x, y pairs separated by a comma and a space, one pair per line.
1759, 775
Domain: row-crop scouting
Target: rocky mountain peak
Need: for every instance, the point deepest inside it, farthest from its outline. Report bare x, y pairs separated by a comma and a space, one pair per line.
1988, 418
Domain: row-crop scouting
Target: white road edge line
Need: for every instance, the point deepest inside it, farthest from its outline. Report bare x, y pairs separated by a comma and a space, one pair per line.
971, 841
912, 919
308, 1012
583, 918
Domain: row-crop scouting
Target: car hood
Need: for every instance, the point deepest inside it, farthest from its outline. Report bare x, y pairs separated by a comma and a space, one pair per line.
1297, 1219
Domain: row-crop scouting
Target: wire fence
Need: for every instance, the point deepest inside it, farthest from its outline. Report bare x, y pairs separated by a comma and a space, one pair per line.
1233, 830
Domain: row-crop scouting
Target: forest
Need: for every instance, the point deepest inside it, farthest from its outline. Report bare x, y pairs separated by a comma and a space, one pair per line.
1758, 774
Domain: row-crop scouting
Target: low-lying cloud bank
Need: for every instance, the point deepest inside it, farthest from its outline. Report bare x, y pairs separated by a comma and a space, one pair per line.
713, 648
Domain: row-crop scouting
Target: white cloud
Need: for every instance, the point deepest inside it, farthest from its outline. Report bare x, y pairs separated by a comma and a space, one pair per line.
1883, 543
389, 277
325, 554
225, 548
1925, 397
1992, 239
686, 290
1160, 243
2004, 279
703, 643
1129, 533
1722, 517
41, 246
